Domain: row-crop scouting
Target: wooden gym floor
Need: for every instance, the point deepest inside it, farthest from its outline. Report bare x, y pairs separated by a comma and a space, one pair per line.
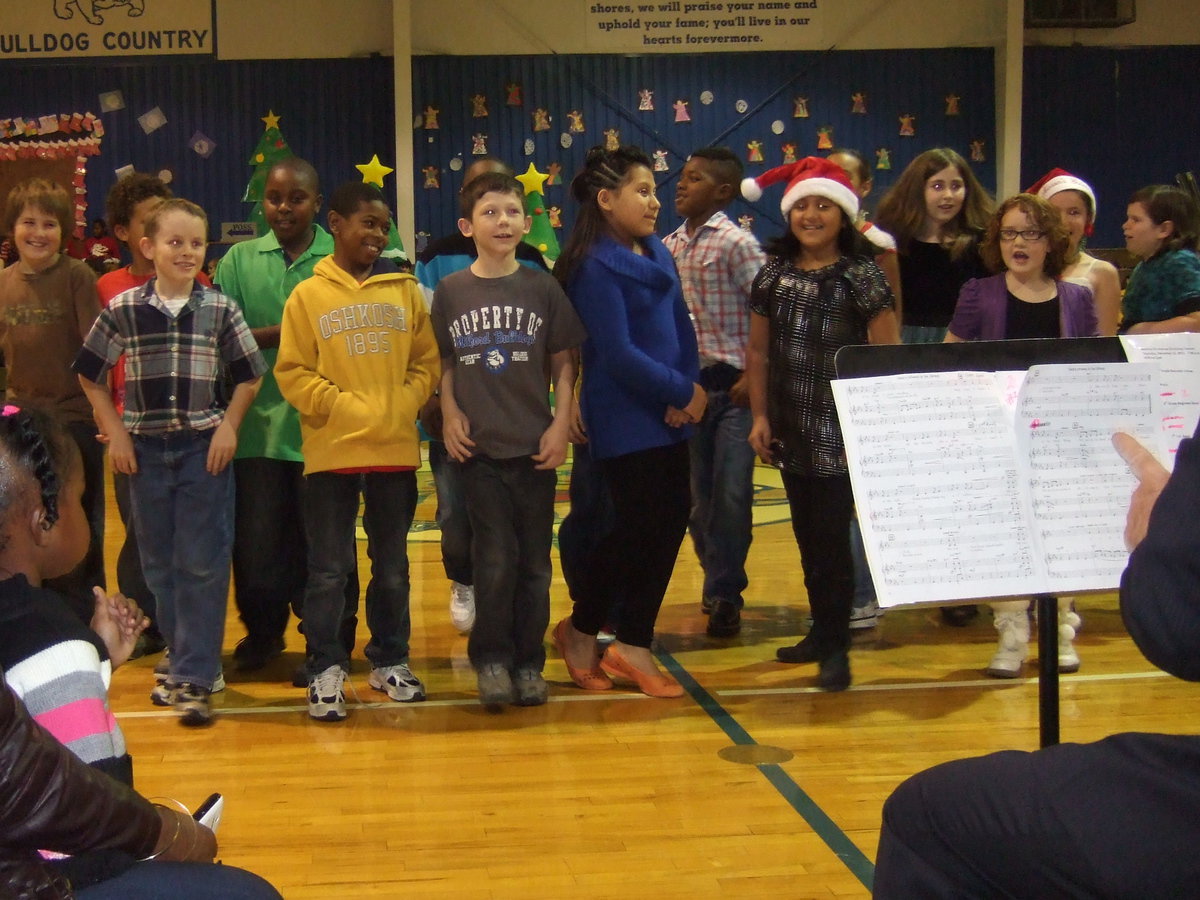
755, 784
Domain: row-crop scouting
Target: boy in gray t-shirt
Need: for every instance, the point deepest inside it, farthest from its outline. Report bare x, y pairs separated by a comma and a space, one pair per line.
500, 328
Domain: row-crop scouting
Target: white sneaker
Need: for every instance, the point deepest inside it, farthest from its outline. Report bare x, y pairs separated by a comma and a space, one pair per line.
462, 606
1011, 619
398, 682
326, 701
1068, 626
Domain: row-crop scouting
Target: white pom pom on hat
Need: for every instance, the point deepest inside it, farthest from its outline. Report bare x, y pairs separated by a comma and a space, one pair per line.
808, 177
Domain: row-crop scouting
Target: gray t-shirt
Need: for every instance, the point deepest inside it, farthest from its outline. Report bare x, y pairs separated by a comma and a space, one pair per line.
499, 334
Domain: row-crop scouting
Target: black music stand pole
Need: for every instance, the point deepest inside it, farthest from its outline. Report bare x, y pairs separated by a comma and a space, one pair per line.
1047, 617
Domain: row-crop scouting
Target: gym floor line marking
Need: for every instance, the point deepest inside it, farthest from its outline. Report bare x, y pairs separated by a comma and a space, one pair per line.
597, 696
823, 826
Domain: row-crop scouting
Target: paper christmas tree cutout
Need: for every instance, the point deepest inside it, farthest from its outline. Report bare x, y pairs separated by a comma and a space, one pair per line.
271, 149
541, 232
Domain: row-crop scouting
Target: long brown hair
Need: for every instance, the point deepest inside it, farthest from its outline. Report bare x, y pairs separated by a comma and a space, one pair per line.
901, 212
602, 169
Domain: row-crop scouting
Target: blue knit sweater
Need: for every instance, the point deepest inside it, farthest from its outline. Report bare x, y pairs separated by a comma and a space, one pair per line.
640, 356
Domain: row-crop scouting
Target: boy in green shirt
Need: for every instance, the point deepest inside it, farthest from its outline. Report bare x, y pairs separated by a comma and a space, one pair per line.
269, 559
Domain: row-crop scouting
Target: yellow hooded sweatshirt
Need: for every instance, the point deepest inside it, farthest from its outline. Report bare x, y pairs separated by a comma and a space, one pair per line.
357, 361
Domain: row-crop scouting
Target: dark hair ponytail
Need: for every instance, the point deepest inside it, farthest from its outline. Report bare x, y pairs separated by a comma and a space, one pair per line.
33, 442
602, 170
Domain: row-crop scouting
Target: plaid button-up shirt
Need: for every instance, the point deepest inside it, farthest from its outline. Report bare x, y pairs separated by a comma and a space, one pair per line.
717, 266
176, 366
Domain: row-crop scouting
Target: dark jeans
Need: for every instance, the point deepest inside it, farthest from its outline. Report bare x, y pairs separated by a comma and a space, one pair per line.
1114, 819
331, 502
130, 579
721, 523
451, 515
511, 506
589, 518
181, 881
76, 586
270, 556
864, 584
651, 500
821, 507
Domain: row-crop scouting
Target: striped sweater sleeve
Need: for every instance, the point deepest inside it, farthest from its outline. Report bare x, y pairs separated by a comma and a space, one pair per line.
65, 689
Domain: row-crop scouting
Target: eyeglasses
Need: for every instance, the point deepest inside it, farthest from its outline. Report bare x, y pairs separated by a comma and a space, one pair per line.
1031, 235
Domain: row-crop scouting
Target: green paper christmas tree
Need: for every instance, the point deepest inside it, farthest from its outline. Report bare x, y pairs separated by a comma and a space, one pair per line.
271, 149
541, 236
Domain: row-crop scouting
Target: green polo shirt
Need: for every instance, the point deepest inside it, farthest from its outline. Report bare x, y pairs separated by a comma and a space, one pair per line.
256, 275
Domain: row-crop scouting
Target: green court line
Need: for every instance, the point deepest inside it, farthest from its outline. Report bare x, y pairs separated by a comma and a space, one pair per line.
823, 826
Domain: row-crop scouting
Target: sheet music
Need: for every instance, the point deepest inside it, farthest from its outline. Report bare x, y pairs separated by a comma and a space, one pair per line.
978, 484
1076, 484
1178, 357
936, 482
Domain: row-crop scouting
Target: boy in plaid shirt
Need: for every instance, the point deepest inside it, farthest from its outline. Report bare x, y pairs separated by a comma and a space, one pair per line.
717, 263
176, 439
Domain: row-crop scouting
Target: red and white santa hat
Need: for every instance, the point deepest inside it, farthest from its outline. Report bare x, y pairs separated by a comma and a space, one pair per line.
1057, 180
812, 176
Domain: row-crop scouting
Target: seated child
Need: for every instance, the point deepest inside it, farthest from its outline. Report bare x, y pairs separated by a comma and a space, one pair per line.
59, 667
501, 326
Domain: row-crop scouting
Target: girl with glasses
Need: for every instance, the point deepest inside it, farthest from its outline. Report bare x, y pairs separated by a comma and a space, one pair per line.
1027, 245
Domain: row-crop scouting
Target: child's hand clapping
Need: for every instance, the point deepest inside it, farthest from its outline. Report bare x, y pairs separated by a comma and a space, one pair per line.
119, 622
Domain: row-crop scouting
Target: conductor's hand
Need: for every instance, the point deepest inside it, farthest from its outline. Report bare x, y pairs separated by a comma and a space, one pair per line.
1151, 476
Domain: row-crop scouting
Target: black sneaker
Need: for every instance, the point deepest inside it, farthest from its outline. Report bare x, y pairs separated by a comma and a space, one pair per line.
804, 652
252, 654
834, 674
193, 703
148, 643
725, 620
960, 616
707, 603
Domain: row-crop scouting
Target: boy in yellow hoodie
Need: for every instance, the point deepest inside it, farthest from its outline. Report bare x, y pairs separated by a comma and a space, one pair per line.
357, 358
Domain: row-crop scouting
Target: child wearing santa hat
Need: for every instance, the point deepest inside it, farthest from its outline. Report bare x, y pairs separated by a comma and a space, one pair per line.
819, 291
1076, 202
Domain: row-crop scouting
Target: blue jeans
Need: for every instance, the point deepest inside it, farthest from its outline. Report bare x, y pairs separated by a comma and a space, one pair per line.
270, 558
130, 580
511, 505
922, 334
721, 520
184, 521
181, 880
589, 518
331, 504
451, 515
864, 584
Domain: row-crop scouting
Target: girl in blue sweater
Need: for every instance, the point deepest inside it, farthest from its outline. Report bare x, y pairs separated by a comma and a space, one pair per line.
640, 395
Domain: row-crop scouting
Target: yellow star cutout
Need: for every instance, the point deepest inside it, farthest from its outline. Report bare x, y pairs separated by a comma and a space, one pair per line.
271, 119
373, 171
533, 180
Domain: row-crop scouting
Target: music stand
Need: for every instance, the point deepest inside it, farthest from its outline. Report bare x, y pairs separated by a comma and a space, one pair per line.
994, 356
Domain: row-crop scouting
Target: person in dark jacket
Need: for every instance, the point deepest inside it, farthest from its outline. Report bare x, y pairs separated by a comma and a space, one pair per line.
1115, 818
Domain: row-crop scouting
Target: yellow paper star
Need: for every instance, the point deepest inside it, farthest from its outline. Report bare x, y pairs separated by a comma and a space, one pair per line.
373, 171
271, 119
533, 180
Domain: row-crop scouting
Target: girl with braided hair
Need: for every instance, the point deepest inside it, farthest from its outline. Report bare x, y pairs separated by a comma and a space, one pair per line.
639, 399
59, 667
